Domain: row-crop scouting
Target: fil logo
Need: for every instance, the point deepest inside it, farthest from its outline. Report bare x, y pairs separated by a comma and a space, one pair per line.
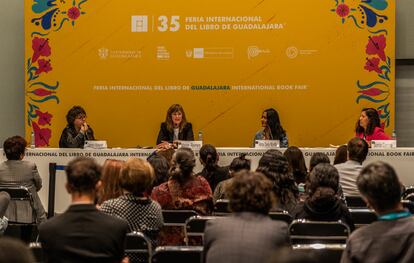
163, 53
103, 53
254, 51
139, 24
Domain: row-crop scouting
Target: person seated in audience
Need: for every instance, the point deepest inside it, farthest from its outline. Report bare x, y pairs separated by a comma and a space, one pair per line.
14, 251
175, 127
390, 239
249, 234
18, 172
4, 204
297, 166
288, 255
272, 128
83, 233
212, 172
183, 190
341, 154
238, 164
349, 170
161, 167
368, 127
77, 130
275, 167
318, 158
111, 172
322, 203
141, 213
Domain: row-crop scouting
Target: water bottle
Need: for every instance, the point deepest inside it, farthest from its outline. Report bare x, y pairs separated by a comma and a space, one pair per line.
32, 140
200, 135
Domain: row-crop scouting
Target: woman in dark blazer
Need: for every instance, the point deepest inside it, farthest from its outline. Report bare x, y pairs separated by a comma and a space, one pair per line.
175, 126
77, 130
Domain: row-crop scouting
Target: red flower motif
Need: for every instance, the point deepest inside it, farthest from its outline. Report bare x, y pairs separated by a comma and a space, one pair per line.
40, 47
74, 13
44, 66
372, 65
42, 92
44, 117
342, 10
42, 136
376, 46
372, 92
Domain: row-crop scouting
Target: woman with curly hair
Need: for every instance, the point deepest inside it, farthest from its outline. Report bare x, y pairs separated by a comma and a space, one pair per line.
275, 166
77, 130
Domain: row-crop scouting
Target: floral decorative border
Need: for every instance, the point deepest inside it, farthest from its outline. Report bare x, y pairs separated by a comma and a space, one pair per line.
49, 17
368, 15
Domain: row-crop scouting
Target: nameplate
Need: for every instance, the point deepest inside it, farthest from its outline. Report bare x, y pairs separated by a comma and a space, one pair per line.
383, 144
95, 145
266, 144
193, 145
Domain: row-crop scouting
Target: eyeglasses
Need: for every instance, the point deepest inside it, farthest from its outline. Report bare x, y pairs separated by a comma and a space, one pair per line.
81, 116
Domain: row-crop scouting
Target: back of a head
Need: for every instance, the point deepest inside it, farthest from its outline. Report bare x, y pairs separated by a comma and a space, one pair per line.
182, 166
323, 181
250, 192
274, 161
209, 156
14, 251
297, 164
379, 184
357, 150
167, 154
82, 175
14, 147
137, 176
341, 154
161, 168
318, 158
111, 173
240, 163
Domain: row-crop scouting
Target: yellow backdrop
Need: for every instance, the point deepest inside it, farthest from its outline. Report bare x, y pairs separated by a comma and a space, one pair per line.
317, 62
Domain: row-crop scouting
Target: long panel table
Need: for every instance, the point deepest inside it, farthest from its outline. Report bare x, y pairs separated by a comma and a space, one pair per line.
402, 159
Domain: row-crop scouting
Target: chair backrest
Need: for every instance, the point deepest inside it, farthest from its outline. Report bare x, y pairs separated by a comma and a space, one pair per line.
355, 201
362, 216
20, 197
408, 205
36, 249
138, 247
308, 232
221, 208
408, 193
20, 193
181, 254
331, 253
177, 217
281, 216
194, 229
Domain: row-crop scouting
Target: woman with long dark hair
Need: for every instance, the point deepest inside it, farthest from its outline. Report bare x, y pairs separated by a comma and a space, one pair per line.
368, 127
272, 128
297, 165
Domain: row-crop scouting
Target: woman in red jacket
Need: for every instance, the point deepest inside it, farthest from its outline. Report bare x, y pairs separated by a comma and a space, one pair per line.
368, 126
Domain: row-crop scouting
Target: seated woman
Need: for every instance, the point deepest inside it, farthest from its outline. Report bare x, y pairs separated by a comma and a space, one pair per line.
183, 190
111, 173
368, 127
141, 213
238, 164
323, 203
341, 154
212, 172
16, 172
275, 167
248, 235
175, 127
297, 164
272, 129
77, 130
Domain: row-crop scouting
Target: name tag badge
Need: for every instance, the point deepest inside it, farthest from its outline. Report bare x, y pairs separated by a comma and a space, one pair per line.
267, 144
95, 145
383, 144
193, 145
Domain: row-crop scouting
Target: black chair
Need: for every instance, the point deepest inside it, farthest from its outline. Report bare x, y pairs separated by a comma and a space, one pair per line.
36, 249
331, 253
181, 254
355, 201
138, 247
177, 217
221, 208
362, 216
194, 229
408, 205
309, 232
408, 193
281, 216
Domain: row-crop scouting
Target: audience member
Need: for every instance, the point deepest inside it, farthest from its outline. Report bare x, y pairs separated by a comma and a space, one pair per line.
323, 203
4, 204
14, 251
318, 158
297, 166
349, 170
111, 171
161, 167
287, 255
141, 213
17, 172
77, 130
83, 233
275, 167
390, 239
238, 164
248, 235
212, 172
341, 154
